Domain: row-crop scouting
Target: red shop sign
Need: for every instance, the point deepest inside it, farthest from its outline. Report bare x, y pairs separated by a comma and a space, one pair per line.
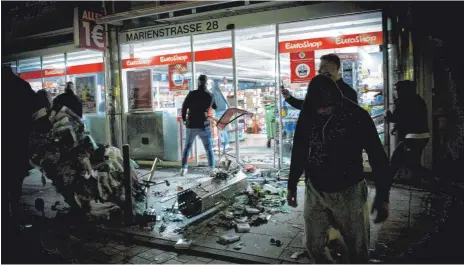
302, 67
178, 58
372, 38
91, 35
71, 70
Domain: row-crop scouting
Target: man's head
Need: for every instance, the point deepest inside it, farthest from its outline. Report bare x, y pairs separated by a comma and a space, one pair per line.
323, 94
69, 88
405, 88
202, 79
330, 66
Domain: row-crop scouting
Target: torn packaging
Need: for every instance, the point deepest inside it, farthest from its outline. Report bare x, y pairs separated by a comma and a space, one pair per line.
76, 164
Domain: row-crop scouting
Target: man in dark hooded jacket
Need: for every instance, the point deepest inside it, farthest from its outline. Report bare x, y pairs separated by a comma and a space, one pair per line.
18, 107
330, 67
68, 99
330, 136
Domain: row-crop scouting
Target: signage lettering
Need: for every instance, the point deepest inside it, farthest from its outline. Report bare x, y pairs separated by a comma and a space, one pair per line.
91, 35
172, 31
173, 58
357, 39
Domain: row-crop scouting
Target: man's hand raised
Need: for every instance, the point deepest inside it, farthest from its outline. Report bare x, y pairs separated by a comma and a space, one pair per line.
285, 92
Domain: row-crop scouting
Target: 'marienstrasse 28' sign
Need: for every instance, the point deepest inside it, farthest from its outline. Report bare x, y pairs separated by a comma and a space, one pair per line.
173, 31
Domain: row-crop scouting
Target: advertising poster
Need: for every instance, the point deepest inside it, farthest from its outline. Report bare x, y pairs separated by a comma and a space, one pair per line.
86, 89
140, 90
90, 35
177, 80
302, 67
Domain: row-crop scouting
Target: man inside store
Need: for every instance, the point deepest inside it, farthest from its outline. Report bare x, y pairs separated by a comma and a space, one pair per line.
68, 99
330, 67
195, 117
329, 140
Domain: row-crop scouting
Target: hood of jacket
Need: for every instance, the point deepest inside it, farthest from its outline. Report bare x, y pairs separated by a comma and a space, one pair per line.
322, 92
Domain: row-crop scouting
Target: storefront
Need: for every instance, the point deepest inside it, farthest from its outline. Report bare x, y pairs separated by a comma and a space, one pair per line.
80, 62
247, 58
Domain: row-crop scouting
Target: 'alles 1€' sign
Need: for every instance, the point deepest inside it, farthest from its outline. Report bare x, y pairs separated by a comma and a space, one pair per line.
89, 34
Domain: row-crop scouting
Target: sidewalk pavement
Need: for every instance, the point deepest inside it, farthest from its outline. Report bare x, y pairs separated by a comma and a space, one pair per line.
412, 217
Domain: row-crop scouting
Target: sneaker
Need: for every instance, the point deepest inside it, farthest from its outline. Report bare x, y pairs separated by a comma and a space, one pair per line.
183, 172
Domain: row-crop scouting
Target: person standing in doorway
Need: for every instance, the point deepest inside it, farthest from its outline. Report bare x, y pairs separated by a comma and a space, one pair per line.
195, 117
69, 99
330, 137
330, 67
222, 106
411, 127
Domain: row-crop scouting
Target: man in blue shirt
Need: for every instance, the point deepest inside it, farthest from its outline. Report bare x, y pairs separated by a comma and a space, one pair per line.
221, 107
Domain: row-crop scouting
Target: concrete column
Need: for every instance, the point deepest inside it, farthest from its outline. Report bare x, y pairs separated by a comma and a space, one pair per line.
113, 90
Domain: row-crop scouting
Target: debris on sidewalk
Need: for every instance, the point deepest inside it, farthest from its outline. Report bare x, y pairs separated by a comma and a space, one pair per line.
182, 244
297, 254
239, 246
228, 239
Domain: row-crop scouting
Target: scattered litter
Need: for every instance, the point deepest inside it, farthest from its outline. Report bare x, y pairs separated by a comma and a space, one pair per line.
182, 244
228, 239
243, 228
162, 228
243, 219
252, 210
297, 254
277, 242
239, 246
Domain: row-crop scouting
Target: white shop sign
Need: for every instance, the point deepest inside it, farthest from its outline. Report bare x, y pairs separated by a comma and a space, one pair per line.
171, 31
240, 21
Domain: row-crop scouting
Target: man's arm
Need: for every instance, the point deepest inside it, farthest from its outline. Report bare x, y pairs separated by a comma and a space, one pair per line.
377, 159
185, 106
294, 102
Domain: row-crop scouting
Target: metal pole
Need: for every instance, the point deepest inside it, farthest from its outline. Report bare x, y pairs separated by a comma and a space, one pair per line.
279, 125
234, 65
128, 203
194, 86
41, 72
386, 75
65, 67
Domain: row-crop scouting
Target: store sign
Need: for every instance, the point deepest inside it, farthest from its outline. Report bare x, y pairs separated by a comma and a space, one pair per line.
157, 60
178, 58
91, 35
86, 90
53, 72
140, 90
176, 75
173, 31
302, 67
372, 38
71, 70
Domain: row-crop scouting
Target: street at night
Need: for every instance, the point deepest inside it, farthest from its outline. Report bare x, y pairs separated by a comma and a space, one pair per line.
328, 132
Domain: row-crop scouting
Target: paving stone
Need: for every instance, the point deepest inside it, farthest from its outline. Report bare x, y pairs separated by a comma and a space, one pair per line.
195, 261
204, 260
150, 254
162, 258
109, 250
117, 259
297, 242
173, 261
100, 257
216, 261
185, 258
208, 241
259, 245
139, 260
277, 230
288, 252
121, 247
134, 251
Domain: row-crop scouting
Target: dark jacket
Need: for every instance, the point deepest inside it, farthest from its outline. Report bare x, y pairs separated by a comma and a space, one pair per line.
17, 109
410, 116
347, 92
330, 151
70, 100
197, 103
